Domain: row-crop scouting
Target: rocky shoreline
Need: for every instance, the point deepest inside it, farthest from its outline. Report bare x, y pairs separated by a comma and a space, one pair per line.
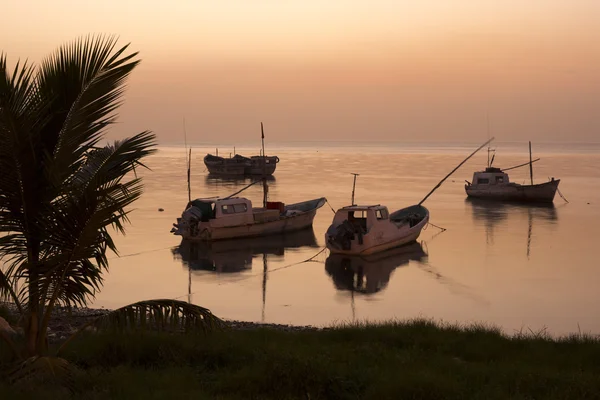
64, 322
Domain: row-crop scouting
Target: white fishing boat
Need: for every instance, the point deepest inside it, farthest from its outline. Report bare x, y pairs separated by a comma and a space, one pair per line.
494, 184
364, 230
234, 217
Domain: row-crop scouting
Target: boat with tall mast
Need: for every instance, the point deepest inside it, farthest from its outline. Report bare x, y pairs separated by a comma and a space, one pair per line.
494, 184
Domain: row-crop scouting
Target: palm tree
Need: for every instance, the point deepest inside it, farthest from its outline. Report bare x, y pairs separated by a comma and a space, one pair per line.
62, 191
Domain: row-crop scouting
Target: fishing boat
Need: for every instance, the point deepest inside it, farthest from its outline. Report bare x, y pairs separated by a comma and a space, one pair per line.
239, 165
236, 165
494, 184
364, 230
234, 217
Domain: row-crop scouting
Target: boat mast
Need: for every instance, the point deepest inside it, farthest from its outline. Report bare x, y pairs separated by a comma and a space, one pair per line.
490, 150
488, 134
189, 169
530, 164
189, 162
353, 186
265, 188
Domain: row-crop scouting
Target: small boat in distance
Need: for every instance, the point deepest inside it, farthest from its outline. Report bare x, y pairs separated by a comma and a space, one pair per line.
494, 184
239, 165
234, 217
364, 230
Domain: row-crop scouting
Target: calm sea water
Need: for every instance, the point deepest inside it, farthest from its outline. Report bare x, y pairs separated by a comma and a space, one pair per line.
516, 267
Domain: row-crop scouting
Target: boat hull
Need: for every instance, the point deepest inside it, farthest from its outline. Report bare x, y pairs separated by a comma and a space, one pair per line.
288, 224
225, 169
258, 170
540, 193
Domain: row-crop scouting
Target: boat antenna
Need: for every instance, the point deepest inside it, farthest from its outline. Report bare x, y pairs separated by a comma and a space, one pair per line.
265, 188
451, 172
530, 164
189, 168
488, 135
353, 186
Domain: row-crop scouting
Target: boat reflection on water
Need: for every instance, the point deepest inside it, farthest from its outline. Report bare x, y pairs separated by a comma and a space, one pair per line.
235, 179
370, 274
230, 256
491, 214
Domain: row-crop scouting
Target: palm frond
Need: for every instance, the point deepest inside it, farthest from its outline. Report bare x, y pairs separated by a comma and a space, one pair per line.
161, 314
155, 315
84, 81
44, 369
16, 124
8, 292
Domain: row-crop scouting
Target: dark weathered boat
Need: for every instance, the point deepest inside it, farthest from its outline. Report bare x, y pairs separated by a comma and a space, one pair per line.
240, 165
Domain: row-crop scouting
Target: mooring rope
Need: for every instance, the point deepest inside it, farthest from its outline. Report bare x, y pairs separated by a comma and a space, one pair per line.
561, 195
434, 225
141, 252
327, 201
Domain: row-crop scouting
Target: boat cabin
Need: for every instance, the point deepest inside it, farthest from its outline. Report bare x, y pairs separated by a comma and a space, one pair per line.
491, 176
363, 216
232, 211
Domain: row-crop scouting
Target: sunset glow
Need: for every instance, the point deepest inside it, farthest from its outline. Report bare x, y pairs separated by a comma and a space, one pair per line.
341, 70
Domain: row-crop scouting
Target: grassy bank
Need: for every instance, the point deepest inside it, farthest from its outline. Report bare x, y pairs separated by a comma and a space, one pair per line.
408, 360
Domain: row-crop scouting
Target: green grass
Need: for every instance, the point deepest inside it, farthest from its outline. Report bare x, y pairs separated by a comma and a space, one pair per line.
413, 360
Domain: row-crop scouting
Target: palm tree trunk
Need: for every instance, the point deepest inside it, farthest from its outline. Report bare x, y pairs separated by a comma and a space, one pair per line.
32, 325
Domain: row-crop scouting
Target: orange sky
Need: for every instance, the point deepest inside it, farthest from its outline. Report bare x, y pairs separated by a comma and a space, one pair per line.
341, 70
